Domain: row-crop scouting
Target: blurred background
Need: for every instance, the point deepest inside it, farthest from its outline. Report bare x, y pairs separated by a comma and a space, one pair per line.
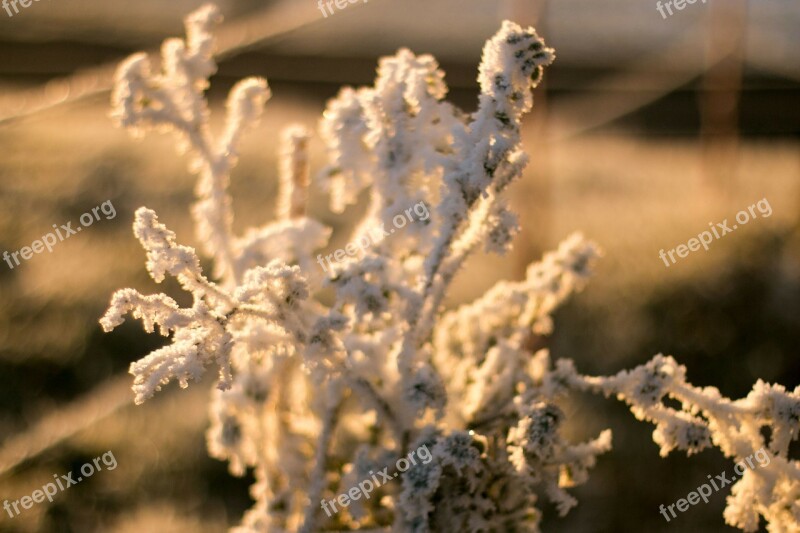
645, 130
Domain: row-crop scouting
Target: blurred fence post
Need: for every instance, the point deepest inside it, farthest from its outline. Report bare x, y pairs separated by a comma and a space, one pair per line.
720, 92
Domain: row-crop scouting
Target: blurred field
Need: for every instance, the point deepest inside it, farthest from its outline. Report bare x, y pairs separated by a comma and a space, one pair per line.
731, 314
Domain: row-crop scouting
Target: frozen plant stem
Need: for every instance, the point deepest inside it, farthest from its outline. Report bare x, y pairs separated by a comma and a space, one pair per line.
313, 397
329, 422
294, 174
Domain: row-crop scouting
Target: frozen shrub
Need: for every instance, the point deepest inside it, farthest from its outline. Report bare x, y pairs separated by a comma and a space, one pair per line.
314, 398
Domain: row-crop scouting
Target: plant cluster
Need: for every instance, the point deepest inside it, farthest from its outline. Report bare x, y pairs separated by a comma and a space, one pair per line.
314, 397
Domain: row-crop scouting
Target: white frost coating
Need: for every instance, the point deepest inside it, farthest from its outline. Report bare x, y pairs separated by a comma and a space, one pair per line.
315, 397
708, 418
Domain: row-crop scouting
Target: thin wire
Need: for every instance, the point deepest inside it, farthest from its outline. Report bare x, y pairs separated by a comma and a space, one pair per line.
64, 422
581, 114
232, 39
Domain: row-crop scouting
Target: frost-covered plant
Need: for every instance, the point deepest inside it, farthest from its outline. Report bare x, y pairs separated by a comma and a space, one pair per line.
313, 398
